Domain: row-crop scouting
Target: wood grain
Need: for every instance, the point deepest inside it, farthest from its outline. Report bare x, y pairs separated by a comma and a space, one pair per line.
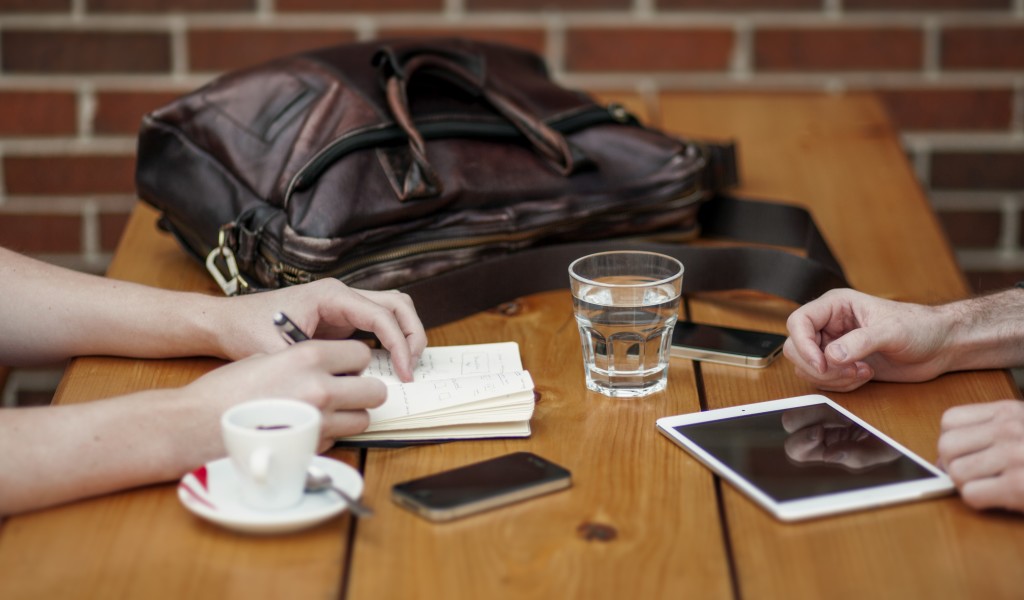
597, 539
836, 156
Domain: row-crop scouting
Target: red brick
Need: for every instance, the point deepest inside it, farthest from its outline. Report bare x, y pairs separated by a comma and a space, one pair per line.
121, 112
644, 49
838, 49
983, 48
927, 4
971, 229
27, 51
714, 5
948, 109
984, 282
41, 233
223, 50
978, 170
328, 6
31, 113
34, 6
158, 6
69, 175
568, 5
112, 226
530, 39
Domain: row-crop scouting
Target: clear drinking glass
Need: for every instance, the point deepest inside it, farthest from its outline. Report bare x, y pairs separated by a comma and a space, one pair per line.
626, 304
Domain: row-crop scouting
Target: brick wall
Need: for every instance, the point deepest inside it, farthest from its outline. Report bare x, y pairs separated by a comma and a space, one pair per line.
76, 76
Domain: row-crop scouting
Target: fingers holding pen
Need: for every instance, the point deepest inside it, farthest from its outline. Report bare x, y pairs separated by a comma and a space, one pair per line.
328, 379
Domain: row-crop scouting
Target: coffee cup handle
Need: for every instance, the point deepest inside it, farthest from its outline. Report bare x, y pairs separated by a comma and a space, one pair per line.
259, 463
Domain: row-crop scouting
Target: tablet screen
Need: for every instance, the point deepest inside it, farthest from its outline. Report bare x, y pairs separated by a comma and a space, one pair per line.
803, 452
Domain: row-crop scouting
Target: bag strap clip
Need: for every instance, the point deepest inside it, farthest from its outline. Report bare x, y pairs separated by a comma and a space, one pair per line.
234, 284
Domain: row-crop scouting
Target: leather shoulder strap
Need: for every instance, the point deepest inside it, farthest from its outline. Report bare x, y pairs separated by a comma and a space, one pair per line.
797, 277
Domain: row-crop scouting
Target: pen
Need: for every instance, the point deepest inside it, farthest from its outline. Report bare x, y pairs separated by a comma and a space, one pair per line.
316, 480
288, 329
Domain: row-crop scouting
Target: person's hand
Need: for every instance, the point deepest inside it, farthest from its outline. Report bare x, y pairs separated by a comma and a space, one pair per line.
325, 309
982, 450
324, 374
819, 434
844, 339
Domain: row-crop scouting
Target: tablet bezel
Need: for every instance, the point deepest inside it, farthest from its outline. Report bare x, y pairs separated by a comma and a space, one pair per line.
817, 506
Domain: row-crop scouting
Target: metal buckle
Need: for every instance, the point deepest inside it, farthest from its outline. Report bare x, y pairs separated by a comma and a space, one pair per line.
234, 283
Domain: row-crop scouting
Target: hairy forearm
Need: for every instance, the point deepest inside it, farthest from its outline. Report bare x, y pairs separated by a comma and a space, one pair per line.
987, 332
50, 314
53, 455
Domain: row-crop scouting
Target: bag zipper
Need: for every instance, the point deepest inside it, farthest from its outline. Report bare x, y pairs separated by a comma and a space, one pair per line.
393, 134
295, 275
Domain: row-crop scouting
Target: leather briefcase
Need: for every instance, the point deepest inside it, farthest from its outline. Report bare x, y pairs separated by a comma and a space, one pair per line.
388, 164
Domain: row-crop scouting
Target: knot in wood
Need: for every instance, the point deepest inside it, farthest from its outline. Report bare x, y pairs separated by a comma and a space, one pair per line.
597, 532
508, 309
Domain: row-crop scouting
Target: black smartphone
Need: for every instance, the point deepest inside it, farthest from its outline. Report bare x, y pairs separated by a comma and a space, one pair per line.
727, 345
481, 486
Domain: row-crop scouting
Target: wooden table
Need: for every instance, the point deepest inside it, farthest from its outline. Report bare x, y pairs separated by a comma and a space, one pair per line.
643, 520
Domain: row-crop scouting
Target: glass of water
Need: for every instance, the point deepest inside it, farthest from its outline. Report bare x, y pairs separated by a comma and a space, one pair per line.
626, 304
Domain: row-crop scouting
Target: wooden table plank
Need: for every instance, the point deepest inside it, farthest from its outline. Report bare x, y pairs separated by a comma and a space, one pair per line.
838, 155
626, 482
623, 475
845, 165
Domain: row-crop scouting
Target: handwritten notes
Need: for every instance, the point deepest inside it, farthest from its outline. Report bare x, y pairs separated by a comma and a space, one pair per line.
448, 362
478, 390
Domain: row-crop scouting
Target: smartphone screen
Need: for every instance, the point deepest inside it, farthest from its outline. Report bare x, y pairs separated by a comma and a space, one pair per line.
728, 345
481, 486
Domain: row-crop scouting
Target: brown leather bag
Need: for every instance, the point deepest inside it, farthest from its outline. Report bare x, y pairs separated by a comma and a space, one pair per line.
388, 164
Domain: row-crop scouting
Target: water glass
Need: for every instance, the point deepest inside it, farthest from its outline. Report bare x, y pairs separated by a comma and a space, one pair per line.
626, 304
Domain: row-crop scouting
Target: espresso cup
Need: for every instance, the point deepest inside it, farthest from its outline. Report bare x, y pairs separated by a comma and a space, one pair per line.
271, 444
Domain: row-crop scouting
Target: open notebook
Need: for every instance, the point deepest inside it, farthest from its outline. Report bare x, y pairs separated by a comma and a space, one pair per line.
458, 392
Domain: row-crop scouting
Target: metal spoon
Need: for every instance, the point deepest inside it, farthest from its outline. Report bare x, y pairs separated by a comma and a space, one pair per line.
317, 480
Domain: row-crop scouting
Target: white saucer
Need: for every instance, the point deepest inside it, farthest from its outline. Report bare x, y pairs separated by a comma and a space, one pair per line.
211, 492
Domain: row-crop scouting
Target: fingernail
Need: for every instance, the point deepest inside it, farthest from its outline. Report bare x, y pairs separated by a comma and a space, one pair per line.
837, 351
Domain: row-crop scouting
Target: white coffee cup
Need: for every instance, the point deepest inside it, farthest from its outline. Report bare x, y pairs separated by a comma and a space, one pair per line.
271, 443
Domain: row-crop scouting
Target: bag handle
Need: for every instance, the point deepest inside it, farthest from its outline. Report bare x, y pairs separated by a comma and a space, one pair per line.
399, 67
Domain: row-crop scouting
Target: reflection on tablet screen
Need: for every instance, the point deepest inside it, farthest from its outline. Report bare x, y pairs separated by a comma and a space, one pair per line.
803, 452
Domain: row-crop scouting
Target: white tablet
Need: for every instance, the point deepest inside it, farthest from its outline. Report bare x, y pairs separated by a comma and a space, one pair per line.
805, 457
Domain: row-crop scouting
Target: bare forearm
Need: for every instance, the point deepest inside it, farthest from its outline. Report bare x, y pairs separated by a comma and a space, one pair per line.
53, 455
988, 331
52, 313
